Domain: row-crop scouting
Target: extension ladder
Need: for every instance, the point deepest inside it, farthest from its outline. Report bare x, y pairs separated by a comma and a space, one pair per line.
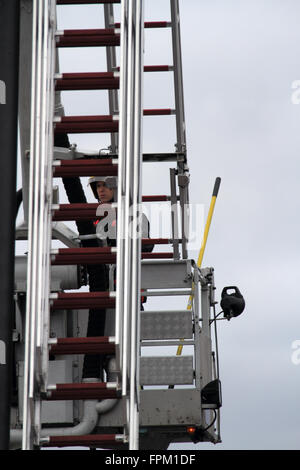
46, 217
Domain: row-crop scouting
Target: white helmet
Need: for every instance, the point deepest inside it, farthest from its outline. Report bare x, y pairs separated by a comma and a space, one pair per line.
110, 181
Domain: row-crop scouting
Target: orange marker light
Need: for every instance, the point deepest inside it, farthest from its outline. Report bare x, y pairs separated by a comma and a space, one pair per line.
191, 429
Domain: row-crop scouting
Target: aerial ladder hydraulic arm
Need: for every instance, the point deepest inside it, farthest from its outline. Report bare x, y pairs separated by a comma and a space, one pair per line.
147, 395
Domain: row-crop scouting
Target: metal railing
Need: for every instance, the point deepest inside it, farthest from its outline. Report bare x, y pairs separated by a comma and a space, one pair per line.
129, 200
39, 221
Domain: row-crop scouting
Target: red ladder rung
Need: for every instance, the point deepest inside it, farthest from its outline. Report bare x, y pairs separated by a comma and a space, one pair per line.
158, 112
64, 172
97, 80
84, 2
87, 81
81, 300
88, 440
69, 168
88, 38
87, 32
101, 124
82, 391
162, 255
86, 128
151, 24
90, 345
86, 162
100, 255
87, 211
156, 198
157, 68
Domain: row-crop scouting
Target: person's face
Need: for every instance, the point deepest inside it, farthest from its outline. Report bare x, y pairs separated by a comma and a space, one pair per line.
105, 194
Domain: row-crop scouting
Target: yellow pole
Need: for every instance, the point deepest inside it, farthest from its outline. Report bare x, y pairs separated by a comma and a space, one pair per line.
203, 245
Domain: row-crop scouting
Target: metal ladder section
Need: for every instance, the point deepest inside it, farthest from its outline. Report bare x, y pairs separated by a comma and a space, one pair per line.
45, 221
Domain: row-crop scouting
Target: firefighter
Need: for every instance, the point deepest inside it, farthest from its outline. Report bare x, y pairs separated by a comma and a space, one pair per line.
105, 191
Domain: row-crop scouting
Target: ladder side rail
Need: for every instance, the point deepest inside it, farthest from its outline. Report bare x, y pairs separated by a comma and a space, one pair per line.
37, 311
174, 214
31, 262
43, 196
121, 190
137, 223
128, 202
128, 263
178, 77
111, 66
197, 350
205, 307
49, 146
180, 118
42, 301
183, 181
25, 66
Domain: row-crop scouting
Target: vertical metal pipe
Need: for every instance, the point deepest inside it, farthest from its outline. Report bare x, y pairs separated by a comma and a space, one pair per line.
9, 63
111, 65
121, 187
25, 67
178, 79
197, 347
174, 213
26, 414
136, 239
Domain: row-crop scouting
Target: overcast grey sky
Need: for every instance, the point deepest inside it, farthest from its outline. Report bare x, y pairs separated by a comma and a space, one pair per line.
240, 58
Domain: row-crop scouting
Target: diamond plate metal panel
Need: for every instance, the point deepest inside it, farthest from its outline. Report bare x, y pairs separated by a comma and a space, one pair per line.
166, 274
166, 370
166, 325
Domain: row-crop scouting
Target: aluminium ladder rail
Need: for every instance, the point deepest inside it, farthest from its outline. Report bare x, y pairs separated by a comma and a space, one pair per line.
129, 155
39, 218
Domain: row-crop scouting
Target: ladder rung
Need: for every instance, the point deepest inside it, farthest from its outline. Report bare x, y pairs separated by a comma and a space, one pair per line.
82, 391
154, 68
162, 255
102, 255
156, 198
86, 124
83, 2
88, 440
94, 255
151, 24
88, 38
81, 300
87, 211
88, 167
158, 112
102, 124
90, 345
158, 68
97, 80
87, 81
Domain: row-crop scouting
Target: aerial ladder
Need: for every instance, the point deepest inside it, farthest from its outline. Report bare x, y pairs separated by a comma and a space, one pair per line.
144, 401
